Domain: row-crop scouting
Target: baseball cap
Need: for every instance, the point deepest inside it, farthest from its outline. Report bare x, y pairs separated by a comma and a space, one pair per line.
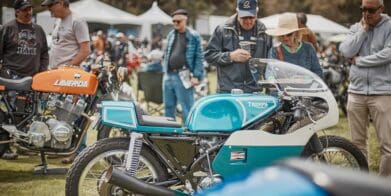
22, 4
49, 2
179, 12
247, 8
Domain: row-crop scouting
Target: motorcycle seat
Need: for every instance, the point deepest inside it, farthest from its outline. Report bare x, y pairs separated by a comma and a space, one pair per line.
155, 121
158, 121
23, 84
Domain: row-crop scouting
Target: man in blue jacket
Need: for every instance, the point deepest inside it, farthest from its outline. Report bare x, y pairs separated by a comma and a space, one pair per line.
182, 66
369, 45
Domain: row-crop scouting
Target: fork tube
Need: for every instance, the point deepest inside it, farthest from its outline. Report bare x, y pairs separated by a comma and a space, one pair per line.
315, 143
135, 145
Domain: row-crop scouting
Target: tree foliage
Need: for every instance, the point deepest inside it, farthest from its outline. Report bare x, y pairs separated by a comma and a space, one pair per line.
342, 11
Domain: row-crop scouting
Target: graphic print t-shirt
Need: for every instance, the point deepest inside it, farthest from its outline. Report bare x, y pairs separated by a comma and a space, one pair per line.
23, 48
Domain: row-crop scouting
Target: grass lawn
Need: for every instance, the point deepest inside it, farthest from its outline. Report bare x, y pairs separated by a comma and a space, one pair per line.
16, 177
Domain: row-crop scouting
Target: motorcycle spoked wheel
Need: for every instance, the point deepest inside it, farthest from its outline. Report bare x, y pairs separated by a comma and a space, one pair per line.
338, 151
85, 175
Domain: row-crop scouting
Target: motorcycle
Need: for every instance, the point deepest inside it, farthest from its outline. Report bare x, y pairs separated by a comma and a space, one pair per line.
336, 77
49, 113
224, 135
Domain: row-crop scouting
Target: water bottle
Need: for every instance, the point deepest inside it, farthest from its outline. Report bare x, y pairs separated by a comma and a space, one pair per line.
68, 103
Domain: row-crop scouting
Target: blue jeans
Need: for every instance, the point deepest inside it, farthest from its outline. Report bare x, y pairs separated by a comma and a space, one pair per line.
174, 92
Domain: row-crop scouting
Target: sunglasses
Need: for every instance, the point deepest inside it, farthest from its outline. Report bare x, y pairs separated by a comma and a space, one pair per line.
177, 21
370, 10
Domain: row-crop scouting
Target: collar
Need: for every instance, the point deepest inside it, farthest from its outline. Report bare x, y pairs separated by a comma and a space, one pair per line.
289, 49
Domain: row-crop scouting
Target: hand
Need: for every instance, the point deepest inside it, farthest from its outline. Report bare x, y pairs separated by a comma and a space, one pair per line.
353, 60
364, 24
194, 81
239, 56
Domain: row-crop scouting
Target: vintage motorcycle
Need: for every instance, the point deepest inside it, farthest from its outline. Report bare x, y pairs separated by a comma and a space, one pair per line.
337, 79
50, 112
224, 135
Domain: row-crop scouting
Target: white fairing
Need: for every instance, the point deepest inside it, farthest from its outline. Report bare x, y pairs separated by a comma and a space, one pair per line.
293, 81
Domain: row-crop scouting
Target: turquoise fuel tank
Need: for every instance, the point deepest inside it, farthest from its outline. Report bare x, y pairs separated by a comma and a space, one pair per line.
229, 112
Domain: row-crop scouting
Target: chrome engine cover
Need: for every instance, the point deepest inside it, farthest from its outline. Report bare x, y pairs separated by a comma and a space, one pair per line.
61, 133
39, 134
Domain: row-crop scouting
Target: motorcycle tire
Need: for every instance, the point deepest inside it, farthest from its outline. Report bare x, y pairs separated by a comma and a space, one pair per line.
333, 143
99, 148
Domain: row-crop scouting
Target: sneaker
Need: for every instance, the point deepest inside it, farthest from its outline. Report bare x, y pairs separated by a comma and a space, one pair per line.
9, 155
69, 159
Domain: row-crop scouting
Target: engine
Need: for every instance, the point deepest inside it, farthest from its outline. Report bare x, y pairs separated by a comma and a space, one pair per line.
55, 128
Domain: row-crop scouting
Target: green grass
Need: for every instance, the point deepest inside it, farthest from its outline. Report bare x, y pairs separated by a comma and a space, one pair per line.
16, 177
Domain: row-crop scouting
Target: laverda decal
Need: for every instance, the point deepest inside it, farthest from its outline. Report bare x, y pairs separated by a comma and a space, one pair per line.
71, 83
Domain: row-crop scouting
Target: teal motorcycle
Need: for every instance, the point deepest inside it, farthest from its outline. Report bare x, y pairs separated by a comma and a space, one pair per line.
224, 135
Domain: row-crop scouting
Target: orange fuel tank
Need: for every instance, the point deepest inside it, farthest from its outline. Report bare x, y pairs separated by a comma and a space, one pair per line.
67, 80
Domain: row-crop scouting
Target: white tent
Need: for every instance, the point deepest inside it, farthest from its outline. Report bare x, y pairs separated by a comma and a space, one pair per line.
92, 11
152, 16
316, 23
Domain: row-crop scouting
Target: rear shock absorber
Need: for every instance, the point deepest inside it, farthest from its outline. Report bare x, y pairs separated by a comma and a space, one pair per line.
136, 142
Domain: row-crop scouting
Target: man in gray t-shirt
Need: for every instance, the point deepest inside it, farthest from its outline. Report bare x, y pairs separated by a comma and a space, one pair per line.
70, 43
70, 37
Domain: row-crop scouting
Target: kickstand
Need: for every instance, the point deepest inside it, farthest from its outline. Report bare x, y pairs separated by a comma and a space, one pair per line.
43, 167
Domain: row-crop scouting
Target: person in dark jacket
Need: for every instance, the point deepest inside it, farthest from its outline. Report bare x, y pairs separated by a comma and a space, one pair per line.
23, 45
23, 48
224, 51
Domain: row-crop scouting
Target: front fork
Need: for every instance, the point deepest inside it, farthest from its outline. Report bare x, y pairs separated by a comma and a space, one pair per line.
315, 144
135, 144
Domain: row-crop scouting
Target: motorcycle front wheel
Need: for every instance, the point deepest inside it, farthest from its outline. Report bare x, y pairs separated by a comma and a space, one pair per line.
338, 151
85, 177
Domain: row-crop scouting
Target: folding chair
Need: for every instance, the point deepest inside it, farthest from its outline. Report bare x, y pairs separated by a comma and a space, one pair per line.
151, 84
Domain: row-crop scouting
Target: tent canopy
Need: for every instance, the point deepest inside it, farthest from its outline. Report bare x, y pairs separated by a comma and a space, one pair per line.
155, 15
316, 23
92, 11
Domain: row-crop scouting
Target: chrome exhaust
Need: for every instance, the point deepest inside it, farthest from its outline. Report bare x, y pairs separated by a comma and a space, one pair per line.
119, 178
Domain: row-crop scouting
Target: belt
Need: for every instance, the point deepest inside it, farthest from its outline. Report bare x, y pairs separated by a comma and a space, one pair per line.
177, 70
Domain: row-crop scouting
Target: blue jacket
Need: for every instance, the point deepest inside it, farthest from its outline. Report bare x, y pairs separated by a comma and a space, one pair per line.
194, 53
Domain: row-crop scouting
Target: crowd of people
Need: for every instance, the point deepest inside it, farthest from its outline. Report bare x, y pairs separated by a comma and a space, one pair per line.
24, 52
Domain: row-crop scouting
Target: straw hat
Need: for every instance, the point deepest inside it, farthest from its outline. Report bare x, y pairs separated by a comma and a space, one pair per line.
287, 23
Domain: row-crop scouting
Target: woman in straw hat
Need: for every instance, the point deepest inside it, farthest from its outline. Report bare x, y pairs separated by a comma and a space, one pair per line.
292, 49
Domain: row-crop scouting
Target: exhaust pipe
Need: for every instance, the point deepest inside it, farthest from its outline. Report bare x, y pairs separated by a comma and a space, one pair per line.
119, 178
